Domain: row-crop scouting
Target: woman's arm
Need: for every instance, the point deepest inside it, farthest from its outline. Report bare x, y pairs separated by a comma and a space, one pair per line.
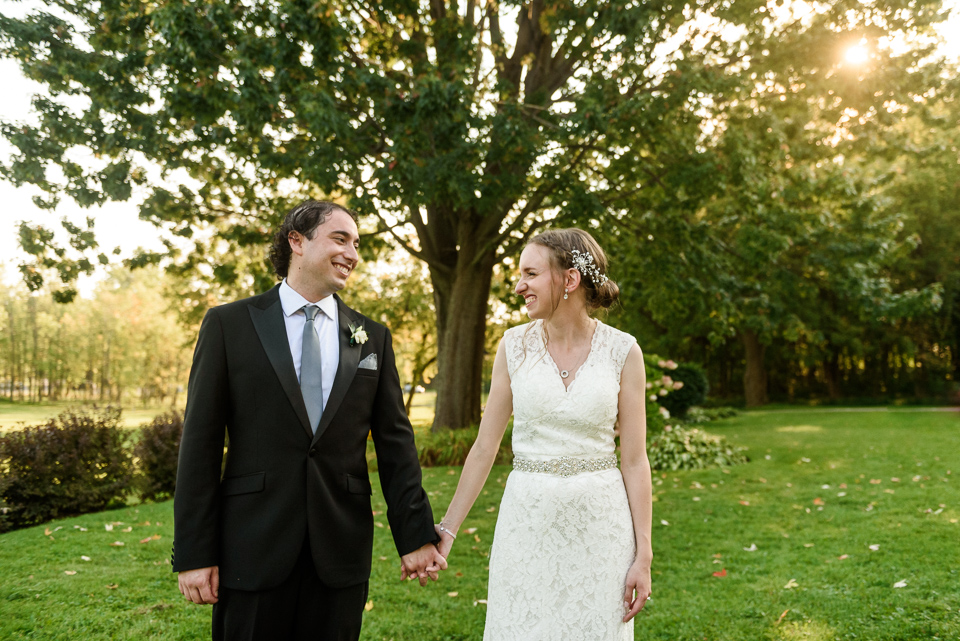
483, 453
635, 468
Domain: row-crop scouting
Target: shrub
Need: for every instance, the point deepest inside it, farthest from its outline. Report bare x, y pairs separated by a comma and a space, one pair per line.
693, 392
450, 447
696, 415
692, 449
74, 464
157, 452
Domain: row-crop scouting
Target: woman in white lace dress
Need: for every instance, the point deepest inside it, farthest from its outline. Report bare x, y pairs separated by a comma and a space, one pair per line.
571, 553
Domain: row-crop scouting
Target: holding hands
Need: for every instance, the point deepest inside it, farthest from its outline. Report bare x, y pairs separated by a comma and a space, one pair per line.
423, 563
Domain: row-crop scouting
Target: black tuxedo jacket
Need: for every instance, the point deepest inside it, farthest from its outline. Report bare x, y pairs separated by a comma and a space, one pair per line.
281, 482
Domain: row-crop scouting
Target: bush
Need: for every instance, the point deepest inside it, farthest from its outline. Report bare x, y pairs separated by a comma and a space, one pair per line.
692, 449
157, 452
693, 392
74, 464
696, 415
450, 447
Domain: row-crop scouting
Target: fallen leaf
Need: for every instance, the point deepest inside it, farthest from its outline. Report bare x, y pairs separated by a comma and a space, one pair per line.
480, 601
782, 614
843, 557
47, 532
69, 572
491, 509
843, 486
368, 606
722, 573
895, 479
150, 538
476, 537
889, 491
824, 487
470, 530
808, 545
458, 574
112, 586
874, 547
453, 594
117, 544
718, 556
818, 501
900, 584
696, 498
664, 522
84, 558
744, 502
953, 520
752, 548
129, 528
875, 481
762, 480
792, 583
108, 527
841, 493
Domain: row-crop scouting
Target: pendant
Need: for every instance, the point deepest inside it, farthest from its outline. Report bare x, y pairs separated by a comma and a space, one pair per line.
564, 373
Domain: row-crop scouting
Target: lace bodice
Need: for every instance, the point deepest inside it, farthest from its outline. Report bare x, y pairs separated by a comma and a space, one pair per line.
550, 420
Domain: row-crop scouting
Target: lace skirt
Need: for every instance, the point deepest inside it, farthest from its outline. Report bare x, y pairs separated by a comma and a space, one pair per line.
559, 560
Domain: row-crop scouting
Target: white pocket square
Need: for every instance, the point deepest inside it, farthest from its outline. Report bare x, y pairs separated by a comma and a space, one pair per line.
370, 362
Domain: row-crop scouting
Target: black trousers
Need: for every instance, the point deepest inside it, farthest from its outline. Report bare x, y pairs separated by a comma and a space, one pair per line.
302, 608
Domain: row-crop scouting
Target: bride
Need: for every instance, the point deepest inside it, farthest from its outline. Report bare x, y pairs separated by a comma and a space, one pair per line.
571, 553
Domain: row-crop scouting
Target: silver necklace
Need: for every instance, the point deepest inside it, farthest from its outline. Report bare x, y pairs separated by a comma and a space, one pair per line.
566, 373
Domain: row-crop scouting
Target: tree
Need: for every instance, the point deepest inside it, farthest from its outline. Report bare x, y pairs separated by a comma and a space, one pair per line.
788, 237
462, 128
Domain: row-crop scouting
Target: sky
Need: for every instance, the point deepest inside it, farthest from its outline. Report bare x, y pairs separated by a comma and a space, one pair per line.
117, 224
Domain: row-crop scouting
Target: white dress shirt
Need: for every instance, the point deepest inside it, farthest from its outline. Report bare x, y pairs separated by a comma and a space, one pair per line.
327, 325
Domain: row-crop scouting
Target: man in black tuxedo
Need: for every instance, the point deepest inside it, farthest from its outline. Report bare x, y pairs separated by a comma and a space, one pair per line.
281, 545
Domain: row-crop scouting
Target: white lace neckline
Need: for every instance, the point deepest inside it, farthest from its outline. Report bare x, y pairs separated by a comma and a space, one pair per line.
556, 369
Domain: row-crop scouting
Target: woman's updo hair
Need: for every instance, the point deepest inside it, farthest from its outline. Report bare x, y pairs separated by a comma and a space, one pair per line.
562, 243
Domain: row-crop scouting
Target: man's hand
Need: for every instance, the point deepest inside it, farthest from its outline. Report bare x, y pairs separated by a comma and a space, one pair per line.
423, 563
202, 586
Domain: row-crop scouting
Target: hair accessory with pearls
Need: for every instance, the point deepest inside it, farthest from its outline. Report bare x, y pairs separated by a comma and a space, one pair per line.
583, 261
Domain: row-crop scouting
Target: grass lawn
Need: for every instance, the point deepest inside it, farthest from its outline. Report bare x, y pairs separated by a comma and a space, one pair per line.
13, 414
822, 489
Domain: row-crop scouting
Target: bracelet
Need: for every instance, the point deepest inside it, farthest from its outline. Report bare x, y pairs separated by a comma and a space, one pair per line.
443, 528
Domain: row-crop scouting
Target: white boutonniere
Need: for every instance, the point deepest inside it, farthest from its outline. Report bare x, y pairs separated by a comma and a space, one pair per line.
358, 335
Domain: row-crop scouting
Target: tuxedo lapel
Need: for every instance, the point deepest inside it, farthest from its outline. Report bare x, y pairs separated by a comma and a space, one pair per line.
347, 368
273, 336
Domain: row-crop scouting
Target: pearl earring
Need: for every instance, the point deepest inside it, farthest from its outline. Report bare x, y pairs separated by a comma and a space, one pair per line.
566, 295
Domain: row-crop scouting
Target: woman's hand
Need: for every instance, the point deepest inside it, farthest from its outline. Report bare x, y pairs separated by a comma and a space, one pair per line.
446, 540
638, 581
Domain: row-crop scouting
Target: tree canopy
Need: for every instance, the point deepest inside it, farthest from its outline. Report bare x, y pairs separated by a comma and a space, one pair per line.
457, 128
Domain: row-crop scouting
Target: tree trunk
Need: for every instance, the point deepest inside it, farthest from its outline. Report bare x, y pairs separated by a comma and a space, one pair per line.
461, 296
831, 374
755, 376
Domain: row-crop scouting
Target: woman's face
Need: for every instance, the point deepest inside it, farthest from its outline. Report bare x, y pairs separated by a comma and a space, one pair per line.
538, 284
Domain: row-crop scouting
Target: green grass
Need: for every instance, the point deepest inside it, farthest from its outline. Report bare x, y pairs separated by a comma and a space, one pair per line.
846, 599
14, 415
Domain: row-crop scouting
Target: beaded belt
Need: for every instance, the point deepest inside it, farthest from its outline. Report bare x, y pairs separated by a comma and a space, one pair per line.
565, 465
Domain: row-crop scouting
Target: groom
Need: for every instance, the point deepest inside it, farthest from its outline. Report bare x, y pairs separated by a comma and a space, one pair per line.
281, 544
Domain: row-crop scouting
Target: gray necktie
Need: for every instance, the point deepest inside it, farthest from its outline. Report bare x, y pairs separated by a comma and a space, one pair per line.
311, 385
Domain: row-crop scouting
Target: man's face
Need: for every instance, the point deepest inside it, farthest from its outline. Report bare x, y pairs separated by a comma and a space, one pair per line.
327, 260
